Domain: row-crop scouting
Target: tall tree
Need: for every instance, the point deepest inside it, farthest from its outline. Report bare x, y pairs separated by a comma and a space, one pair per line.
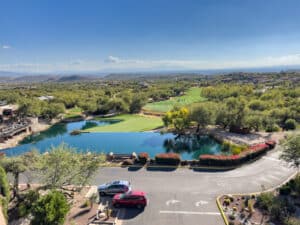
15, 166
202, 114
291, 150
64, 166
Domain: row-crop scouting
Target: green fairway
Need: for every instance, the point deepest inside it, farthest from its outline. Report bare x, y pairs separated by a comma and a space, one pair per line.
129, 123
191, 96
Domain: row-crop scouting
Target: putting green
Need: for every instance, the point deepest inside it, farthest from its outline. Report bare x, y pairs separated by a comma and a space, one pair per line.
129, 123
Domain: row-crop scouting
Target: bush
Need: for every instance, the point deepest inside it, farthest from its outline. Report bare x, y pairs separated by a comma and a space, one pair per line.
265, 201
50, 209
4, 191
234, 160
285, 190
143, 157
272, 127
29, 199
290, 124
167, 159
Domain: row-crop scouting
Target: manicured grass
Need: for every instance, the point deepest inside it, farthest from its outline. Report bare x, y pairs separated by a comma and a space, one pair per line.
129, 123
73, 113
191, 96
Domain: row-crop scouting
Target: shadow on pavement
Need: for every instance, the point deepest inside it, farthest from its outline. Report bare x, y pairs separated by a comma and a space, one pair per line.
134, 168
211, 170
158, 168
129, 213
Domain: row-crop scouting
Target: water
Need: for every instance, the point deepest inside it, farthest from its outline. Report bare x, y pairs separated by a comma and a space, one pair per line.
189, 147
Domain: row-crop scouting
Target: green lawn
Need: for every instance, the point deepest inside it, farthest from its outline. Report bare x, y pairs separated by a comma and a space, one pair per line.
191, 96
129, 123
73, 113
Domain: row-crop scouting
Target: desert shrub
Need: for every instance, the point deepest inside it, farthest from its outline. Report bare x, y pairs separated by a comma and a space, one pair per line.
168, 158
290, 124
29, 199
292, 221
265, 201
232, 217
285, 190
272, 127
4, 191
143, 157
50, 209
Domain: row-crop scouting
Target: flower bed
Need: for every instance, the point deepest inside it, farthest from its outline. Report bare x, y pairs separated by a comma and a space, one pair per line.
234, 160
143, 157
167, 159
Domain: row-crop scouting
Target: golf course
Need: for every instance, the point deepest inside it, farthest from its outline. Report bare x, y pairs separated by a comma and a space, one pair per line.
193, 95
129, 123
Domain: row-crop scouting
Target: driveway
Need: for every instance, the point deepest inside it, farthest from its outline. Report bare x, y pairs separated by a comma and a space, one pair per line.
187, 197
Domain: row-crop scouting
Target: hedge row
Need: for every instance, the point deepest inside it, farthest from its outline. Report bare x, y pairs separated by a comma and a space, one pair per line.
143, 157
234, 160
167, 159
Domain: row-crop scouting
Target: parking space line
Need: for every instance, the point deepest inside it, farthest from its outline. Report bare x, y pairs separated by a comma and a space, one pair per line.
191, 213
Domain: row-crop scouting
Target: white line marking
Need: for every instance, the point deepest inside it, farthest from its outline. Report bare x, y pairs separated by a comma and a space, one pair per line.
190, 213
201, 203
172, 201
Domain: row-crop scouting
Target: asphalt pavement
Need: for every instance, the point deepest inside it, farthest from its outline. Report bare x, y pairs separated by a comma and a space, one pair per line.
187, 197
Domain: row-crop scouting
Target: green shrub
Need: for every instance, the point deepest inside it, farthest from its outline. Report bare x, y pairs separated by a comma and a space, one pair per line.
29, 199
143, 157
290, 124
285, 190
265, 201
167, 159
272, 127
50, 209
236, 150
4, 191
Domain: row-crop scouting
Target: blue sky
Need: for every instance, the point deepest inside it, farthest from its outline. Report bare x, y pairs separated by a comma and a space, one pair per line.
137, 35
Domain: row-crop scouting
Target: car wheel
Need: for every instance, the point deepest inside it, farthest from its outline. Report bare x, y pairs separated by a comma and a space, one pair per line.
139, 206
102, 193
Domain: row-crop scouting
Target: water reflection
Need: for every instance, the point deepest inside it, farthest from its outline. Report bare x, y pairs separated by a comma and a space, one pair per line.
188, 146
53, 131
192, 144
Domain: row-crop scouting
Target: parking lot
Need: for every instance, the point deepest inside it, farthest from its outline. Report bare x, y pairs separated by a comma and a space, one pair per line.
185, 196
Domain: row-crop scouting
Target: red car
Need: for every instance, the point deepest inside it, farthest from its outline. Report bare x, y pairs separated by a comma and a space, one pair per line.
131, 199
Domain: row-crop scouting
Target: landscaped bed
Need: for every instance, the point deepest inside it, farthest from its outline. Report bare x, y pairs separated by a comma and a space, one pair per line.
279, 207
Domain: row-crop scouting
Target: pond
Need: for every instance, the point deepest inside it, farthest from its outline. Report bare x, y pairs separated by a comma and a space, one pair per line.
189, 146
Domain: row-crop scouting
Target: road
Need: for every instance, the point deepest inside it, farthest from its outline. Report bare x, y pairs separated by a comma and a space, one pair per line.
187, 197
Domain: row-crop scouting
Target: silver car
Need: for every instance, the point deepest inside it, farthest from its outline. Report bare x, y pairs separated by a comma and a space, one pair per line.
115, 187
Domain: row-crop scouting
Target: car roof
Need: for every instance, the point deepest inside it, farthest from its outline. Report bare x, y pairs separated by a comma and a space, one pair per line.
123, 182
138, 193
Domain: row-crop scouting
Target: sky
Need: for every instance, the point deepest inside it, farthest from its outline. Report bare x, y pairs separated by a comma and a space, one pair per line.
153, 35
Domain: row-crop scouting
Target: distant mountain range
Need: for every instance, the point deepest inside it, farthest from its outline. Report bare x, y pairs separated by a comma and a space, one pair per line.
17, 77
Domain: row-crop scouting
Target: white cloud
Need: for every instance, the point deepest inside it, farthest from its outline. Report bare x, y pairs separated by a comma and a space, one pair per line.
6, 46
76, 62
113, 63
112, 59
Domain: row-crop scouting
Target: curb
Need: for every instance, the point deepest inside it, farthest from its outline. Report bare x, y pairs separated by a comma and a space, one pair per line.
249, 194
